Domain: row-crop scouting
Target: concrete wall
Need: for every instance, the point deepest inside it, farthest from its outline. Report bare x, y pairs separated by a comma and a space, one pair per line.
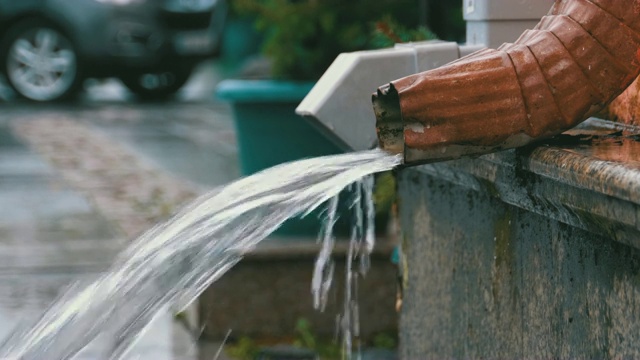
265, 294
521, 254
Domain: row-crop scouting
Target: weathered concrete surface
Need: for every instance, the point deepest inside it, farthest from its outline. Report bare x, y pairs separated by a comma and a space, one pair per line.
270, 290
528, 254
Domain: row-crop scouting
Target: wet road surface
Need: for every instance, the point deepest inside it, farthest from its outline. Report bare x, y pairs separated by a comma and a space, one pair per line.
52, 231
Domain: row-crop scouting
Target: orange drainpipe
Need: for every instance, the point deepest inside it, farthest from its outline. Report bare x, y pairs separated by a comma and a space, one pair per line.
577, 60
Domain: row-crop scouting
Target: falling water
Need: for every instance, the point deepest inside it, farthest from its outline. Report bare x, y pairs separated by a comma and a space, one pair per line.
171, 264
360, 246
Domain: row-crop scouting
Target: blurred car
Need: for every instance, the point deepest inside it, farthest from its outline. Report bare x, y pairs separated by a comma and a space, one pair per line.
49, 47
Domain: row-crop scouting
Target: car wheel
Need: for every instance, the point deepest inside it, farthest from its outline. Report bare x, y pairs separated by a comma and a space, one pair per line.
41, 63
158, 85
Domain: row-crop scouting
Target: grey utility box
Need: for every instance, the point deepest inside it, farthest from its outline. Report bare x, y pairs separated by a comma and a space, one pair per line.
494, 22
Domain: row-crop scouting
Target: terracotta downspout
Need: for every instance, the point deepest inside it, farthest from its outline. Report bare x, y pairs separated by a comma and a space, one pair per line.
573, 63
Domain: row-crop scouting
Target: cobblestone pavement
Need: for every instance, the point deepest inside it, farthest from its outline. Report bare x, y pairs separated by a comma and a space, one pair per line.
126, 190
78, 182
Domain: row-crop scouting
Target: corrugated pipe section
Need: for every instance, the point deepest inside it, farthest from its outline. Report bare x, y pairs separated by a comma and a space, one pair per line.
573, 63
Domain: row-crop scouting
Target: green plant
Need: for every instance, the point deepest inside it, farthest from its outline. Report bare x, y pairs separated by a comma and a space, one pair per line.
384, 341
303, 37
306, 338
388, 32
384, 194
245, 349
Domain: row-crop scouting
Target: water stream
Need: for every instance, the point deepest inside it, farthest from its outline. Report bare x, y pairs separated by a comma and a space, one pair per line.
172, 263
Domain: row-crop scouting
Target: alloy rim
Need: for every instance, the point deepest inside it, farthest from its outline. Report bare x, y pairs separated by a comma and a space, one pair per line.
41, 64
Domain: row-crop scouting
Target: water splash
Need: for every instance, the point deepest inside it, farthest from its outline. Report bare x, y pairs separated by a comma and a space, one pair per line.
361, 245
171, 264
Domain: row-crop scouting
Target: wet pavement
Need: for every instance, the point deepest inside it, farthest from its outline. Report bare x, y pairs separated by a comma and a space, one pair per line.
155, 134
72, 175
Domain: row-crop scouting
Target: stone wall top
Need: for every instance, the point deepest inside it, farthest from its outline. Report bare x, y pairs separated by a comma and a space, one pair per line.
588, 177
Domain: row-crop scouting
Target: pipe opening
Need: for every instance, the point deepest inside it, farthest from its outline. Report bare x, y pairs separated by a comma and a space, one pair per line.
389, 124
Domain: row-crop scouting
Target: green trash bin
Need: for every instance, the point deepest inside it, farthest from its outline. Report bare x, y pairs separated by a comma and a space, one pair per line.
269, 133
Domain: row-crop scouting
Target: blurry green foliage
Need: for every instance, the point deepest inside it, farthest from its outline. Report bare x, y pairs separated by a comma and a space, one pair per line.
385, 341
384, 194
305, 335
307, 339
245, 349
303, 37
388, 32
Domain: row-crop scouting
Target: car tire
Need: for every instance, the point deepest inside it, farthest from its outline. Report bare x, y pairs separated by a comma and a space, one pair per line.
40, 62
157, 85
